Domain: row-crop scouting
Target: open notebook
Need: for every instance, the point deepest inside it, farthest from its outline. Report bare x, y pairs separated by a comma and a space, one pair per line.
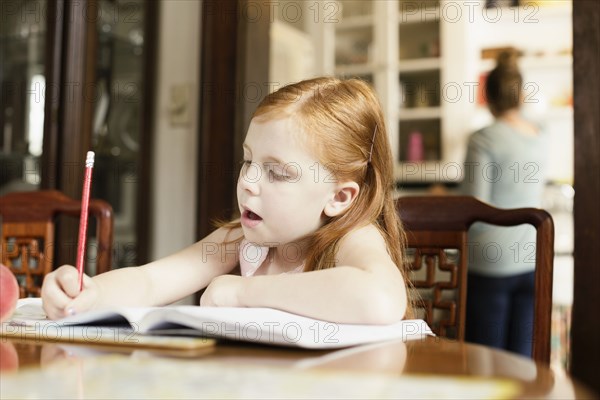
259, 325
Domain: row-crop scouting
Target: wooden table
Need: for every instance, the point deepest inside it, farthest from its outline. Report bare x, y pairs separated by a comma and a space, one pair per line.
430, 368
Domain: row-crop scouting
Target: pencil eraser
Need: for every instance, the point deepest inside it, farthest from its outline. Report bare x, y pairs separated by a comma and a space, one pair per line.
89, 159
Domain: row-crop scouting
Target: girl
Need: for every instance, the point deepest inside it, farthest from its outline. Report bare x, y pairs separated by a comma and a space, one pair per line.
318, 233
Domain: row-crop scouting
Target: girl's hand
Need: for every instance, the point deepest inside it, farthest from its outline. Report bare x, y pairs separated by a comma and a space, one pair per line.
223, 291
61, 296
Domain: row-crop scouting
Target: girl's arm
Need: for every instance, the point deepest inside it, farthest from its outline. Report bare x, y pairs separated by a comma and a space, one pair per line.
157, 283
365, 287
173, 277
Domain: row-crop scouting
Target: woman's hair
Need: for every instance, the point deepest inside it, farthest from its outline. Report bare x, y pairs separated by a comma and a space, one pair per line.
504, 83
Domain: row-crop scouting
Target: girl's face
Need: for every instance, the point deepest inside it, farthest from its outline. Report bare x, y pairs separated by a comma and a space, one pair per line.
282, 189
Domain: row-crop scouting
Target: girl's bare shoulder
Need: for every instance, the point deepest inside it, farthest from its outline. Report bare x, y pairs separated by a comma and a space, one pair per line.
368, 235
364, 247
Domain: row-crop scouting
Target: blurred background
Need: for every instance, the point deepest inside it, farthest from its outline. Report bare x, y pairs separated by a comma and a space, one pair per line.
124, 78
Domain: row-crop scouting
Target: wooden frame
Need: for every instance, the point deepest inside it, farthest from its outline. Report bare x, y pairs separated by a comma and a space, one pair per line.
71, 61
585, 346
437, 222
235, 53
28, 219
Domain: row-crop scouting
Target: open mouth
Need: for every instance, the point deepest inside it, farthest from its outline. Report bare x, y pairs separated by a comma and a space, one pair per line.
250, 218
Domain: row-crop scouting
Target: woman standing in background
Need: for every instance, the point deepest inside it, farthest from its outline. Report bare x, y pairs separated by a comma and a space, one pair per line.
505, 166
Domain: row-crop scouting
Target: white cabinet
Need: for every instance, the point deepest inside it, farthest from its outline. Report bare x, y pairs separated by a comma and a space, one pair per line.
408, 49
424, 60
366, 46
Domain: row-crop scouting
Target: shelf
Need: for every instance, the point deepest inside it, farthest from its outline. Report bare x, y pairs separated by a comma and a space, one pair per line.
352, 8
421, 16
427, 171
406, 114
560, 112
354, 46
533, 62
528, 14
355, 69
552, 61
412, 50
16, 38
355, 21
419, 64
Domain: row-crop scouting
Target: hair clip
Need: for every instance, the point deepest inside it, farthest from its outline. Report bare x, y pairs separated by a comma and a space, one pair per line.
372, 142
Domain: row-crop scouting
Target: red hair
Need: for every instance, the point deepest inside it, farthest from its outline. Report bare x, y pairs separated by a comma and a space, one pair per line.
342, 123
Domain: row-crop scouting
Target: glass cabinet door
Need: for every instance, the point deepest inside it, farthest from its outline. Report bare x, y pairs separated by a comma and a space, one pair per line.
117, 123
22, 81
111, 113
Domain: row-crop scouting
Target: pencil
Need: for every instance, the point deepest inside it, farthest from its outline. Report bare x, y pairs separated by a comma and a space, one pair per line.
83, 219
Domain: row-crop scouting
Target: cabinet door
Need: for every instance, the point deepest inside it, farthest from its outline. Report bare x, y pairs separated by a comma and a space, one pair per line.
120, 129
23, 66
420, 73
73, 78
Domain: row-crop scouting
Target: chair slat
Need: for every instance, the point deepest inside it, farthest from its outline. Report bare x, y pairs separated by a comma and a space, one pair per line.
434, 223
28, 226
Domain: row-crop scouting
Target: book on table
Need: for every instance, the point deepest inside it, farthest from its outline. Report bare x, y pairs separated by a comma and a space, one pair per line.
190, 326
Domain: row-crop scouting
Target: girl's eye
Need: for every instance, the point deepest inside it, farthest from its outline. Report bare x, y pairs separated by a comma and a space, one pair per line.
275, 176
276, 173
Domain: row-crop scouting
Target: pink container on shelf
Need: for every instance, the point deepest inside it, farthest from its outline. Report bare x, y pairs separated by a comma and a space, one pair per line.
415, 150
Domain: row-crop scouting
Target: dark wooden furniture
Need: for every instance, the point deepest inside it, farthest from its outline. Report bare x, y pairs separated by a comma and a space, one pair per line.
99, 94
28, 232
436, 228
585, 347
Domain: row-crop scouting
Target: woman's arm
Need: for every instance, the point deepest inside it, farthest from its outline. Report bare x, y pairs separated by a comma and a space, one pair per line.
477, 161
365, 287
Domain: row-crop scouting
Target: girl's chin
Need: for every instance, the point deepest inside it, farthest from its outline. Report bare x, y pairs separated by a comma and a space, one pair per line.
252, 236
290, 245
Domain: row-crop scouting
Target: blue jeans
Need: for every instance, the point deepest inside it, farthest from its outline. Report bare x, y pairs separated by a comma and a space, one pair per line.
500, 311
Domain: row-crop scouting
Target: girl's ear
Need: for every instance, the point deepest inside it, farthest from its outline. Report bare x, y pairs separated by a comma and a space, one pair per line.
344, 195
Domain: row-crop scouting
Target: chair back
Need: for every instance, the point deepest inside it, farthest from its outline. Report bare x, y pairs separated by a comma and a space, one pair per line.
28, 231
436, 229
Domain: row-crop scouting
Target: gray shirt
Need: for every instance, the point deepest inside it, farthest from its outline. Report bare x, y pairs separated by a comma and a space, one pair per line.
506, 169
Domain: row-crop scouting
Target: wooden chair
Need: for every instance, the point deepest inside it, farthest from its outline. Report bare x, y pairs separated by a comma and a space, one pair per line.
28, 227
436, 228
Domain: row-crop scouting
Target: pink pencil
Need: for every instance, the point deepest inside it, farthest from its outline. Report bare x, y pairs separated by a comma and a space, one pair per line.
83, 219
